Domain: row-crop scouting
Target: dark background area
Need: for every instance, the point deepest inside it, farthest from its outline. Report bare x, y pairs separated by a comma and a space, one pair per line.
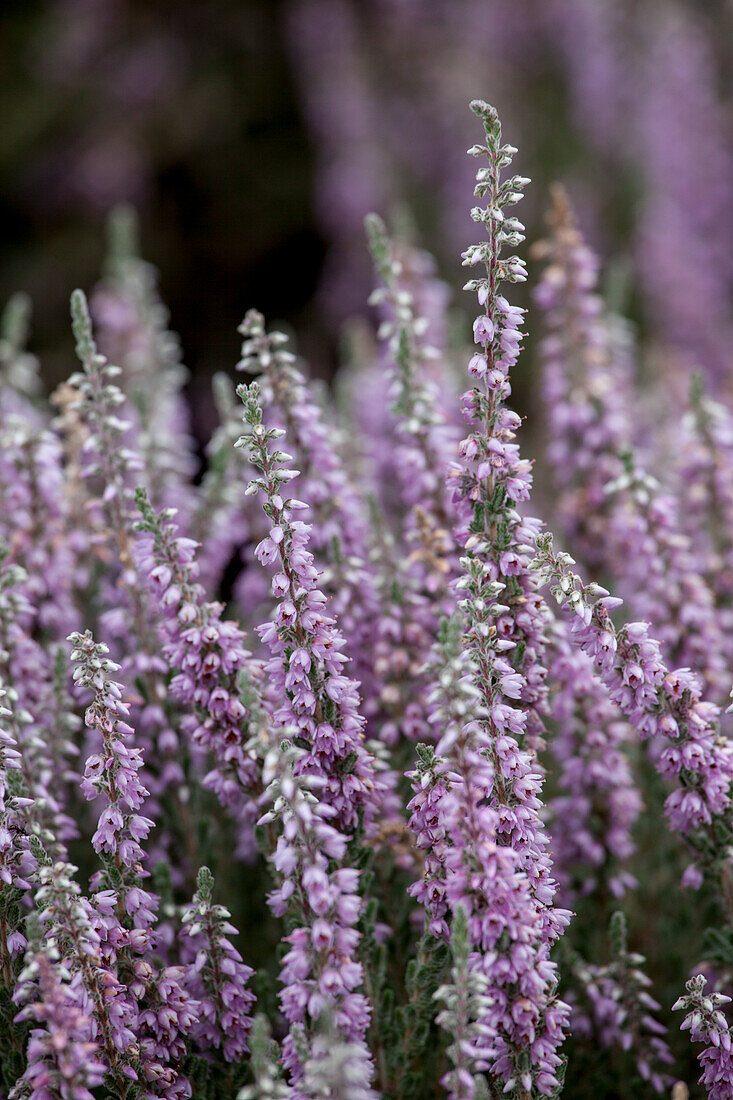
187, 110
254, 135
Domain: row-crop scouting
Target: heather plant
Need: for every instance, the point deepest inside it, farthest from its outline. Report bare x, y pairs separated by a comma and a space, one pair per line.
301, 771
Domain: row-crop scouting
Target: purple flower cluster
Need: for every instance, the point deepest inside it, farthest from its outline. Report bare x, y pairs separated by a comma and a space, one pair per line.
415, 762
217, 978
659, 704
598, 804
707, 1024
620, 518
206, 655
62, 1060
321, 975
335, 511
307, 666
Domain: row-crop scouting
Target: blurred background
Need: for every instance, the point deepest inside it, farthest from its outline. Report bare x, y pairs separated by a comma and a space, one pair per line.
253, 136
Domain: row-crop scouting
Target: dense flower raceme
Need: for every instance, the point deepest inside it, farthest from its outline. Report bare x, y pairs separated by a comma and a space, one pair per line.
415, 593
424, 438
705, 478
32, 488
586, 386
62, 1060
321, 974
17, 862
707, 1024
622, 521
217, 977
110, 465
206, 655
470, 866
307, 666
622, 1011
592, 816
127, 910
381, 753
335, 511
492, 478
37, 727
658, 703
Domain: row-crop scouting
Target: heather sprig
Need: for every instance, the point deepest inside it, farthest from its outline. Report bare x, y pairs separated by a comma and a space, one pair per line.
491, 478
425, 442
206, 655
705, 488
307, 663
334, 510
658, 702
707, 1024
217, 977
467, 1007
592, 816
70, 923
611, 510
62, 1059
25, 663
132, 325
470, 864
113, 772
624, 1012
100, 402
318, 892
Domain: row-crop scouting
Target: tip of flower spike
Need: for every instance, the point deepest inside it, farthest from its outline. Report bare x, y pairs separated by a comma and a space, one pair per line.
81, 326
123, 237
484, 110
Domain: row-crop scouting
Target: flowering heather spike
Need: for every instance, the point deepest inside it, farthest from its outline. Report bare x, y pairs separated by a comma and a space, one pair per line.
306, 669
320, 973
491, 477
707, 1024
62, 1061
505, 615
430, 784
34, 520
338, 521
70, 925
592, 817
586, 386
132, 329
205, 653
268, 1083
663, 578
621, 519
17, 862
128, 911
220, 522
217, 977
416, 592
25, 663
492, 766
470, 865
624, 1011
113, 773
100, 400
657, 702
425, 439
467, 1006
